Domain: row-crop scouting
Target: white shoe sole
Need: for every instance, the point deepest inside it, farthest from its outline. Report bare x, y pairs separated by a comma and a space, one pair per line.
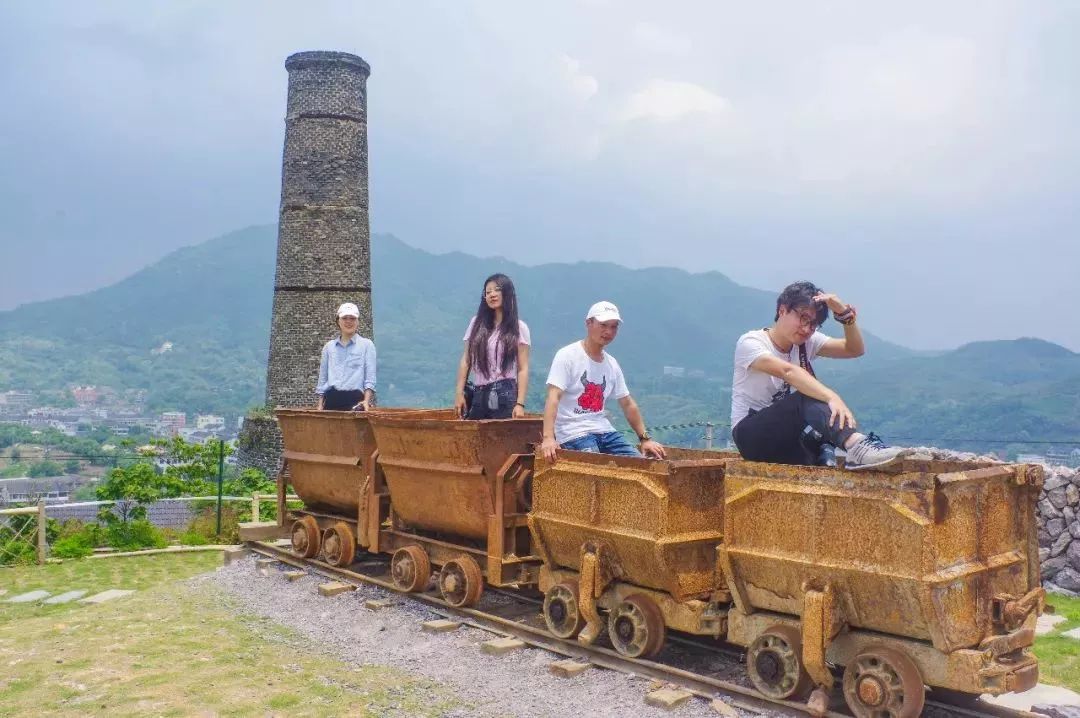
900, 456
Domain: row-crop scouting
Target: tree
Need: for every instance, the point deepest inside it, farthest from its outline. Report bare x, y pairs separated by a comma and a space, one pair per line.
132, 488
41, 469
72, 466
193, 468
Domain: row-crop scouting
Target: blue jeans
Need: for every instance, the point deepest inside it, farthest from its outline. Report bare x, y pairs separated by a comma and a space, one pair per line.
611, 442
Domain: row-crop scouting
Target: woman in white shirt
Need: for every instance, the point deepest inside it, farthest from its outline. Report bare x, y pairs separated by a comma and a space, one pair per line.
496, 354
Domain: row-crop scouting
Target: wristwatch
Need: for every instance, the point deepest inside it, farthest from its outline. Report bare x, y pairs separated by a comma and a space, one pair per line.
644, 436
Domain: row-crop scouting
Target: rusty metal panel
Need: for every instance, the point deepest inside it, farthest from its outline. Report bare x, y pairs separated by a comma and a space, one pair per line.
441, 470
325, 451
919, 551
659, 521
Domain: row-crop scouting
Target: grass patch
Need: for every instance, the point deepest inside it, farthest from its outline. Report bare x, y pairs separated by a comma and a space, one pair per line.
176, 649
96, 575
1059, 657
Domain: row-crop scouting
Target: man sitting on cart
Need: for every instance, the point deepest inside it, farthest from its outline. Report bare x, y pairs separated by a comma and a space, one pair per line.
780, 411
582, 378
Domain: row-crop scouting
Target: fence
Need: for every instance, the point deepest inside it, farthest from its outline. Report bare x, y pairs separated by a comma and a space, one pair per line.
23, 531
21, 538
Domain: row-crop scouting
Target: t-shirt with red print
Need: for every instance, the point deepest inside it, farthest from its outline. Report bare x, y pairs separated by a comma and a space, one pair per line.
586, 385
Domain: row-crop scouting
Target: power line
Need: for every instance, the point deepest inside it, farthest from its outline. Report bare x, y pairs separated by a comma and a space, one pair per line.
932, 440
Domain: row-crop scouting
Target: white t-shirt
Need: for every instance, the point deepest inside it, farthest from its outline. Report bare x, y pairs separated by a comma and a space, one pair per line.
586, 386
755, 390
494, 349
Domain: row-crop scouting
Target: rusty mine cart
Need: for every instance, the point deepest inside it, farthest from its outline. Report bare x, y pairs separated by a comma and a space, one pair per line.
421, 485
925, 574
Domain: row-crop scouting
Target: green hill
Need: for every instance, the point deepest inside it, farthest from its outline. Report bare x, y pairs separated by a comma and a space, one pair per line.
212, 302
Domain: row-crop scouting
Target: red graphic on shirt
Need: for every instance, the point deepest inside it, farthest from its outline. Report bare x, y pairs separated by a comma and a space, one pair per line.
592, 399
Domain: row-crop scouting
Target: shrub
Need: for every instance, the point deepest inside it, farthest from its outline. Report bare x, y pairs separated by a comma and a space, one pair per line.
76, 546
193, 538
17, 552
205, 524
135, 535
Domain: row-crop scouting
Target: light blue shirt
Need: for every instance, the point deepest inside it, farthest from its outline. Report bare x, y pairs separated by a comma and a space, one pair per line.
347, 367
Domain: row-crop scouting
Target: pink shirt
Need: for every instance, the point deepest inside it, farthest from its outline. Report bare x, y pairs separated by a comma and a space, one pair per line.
494, 358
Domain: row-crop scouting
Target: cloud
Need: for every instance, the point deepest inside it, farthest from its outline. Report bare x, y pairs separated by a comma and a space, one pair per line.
668, 100
583, 86
654, 38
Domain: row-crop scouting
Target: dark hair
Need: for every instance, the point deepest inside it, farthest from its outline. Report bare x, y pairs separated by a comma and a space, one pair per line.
801, 294
484, 326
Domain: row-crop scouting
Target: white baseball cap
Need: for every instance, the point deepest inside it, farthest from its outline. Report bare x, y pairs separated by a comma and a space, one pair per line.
348, 309
604, 312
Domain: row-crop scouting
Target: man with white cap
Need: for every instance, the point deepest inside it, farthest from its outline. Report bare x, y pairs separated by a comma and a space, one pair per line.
582, 378
347, 366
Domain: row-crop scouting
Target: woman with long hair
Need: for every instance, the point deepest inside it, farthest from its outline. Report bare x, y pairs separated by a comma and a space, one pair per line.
497, 354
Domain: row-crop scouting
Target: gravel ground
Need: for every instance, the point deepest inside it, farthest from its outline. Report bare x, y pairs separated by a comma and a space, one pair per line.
516, 684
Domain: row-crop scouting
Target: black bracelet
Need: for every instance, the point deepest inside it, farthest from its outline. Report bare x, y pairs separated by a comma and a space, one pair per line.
518, 403
847, 316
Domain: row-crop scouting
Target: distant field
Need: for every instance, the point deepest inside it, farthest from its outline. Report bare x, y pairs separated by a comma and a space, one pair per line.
172, 650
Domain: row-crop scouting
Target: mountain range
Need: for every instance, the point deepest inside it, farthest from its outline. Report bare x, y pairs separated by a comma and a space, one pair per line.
212, 303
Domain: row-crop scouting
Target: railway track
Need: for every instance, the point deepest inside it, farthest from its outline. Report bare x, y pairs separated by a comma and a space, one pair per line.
516, 615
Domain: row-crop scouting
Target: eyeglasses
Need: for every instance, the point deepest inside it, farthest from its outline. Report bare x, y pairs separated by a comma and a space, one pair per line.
810, 321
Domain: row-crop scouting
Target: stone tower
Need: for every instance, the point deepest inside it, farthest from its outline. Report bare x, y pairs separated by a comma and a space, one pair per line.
324, 244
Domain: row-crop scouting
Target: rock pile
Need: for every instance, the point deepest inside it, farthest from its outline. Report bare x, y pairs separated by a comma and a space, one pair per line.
1059, 530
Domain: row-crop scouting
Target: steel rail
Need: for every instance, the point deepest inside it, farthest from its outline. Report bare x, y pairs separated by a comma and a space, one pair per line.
700, 685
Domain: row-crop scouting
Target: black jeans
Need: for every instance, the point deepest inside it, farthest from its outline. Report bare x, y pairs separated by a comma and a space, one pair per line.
338, 400
493, 401
774, 434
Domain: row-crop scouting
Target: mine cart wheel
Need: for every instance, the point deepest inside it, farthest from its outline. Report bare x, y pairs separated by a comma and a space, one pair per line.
339, 545
410, 568
460, 582
883, 682
561, 613
636, 627
305, 537
774, 662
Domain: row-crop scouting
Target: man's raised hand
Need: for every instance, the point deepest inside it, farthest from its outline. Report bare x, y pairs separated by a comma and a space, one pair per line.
834, 302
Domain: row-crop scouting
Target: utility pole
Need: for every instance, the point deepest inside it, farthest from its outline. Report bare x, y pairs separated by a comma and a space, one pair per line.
220, 480
42, 549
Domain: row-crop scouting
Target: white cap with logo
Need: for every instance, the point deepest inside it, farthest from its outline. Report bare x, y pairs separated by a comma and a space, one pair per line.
604, 312
348, 309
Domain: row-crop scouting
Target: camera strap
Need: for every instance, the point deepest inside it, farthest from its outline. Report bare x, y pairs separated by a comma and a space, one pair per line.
804, 361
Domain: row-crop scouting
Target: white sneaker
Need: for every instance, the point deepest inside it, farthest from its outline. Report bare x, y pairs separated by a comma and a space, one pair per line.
872, 452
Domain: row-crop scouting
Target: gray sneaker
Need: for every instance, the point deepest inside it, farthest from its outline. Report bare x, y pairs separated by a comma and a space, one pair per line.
871, 452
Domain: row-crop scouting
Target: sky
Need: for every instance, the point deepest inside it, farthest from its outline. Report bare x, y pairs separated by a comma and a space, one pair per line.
919, 159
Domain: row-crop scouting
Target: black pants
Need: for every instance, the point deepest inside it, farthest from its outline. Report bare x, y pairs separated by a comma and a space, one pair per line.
774, 434
338, 400
493, 401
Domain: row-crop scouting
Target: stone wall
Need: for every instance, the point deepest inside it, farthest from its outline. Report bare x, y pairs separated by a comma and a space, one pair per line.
259, 446
1059, 530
